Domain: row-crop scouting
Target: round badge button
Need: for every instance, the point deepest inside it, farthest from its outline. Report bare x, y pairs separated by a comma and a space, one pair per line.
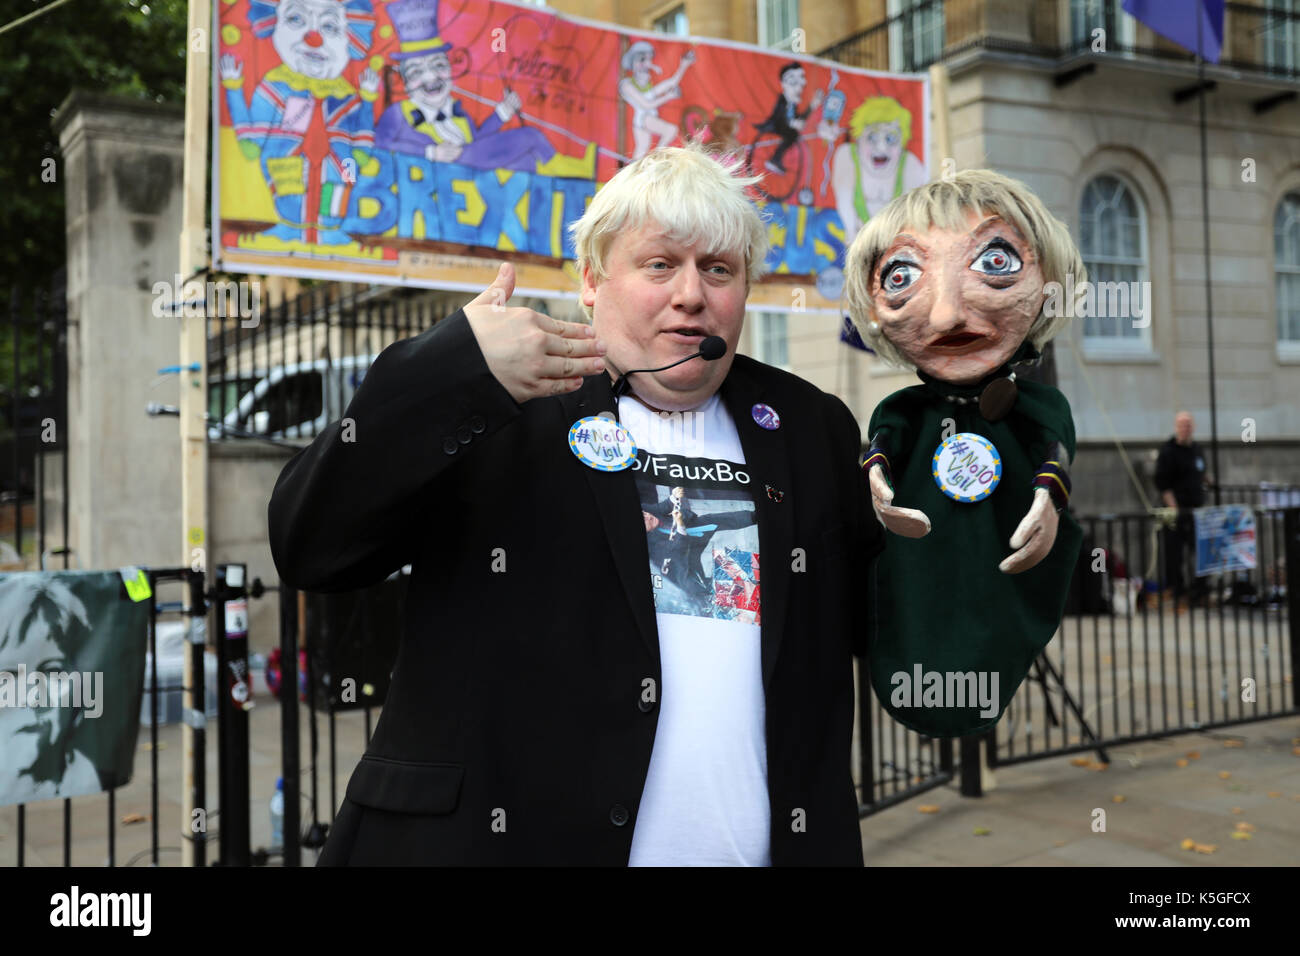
966, 467
765, 416
602, 444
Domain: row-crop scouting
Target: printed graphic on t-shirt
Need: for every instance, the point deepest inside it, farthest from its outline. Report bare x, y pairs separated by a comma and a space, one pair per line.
702, 535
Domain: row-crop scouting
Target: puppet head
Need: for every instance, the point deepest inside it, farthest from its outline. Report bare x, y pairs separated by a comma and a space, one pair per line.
949, 278
314, 37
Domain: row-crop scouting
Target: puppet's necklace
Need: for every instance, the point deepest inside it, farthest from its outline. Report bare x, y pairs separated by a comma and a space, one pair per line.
995, 399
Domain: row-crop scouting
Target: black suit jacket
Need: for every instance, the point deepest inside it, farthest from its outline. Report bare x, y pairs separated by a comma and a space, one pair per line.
516, 730
778, 121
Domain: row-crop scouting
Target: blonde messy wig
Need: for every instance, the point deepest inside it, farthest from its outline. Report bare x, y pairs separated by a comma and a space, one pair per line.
693, 196
944, 203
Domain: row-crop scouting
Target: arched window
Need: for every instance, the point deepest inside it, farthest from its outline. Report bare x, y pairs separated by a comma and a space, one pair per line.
1113, 243
1286, 263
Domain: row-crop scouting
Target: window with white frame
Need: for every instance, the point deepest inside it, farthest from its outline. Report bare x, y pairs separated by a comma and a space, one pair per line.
1286, 264
777, 20
915, 33
771, 339
673, 22
1116, 309
1278, 28
1089, 15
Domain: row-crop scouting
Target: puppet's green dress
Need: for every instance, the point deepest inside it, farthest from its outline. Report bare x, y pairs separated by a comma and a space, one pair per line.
940, 601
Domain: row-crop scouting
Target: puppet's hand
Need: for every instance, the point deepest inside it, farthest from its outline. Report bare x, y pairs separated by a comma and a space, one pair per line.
1035, 535
908, 522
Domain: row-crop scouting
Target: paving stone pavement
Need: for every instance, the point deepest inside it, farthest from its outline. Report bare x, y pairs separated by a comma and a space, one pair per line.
1041, 813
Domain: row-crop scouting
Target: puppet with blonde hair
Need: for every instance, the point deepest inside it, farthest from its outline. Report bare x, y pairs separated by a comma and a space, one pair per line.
952, 279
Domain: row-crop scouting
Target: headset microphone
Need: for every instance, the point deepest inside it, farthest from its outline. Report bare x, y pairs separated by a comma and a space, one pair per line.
712, 348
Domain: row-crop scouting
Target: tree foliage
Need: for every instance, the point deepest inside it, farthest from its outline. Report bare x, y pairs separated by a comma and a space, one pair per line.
126, 47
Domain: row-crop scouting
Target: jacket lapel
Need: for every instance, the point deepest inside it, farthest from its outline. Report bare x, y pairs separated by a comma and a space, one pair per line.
619, 507
768, 463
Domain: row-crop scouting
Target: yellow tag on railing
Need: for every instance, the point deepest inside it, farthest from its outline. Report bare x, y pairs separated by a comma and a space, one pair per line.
137, 584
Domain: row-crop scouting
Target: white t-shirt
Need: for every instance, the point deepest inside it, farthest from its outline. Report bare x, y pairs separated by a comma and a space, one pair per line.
705, 800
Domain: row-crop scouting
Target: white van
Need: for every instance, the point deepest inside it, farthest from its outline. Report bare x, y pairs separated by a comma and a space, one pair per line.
293, 401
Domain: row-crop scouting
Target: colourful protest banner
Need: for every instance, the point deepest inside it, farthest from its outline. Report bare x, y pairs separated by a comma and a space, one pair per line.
421, 141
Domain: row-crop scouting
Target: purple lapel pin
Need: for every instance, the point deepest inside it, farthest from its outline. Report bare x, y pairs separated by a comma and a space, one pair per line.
765, 416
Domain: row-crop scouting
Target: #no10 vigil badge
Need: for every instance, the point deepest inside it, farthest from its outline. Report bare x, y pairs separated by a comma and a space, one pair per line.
602, 443
967, 467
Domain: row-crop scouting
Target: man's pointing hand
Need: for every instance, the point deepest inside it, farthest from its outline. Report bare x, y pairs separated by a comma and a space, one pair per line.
530, 354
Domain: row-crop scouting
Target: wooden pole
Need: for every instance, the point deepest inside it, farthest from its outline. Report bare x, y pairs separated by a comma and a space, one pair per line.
193, 390
1205, 243
941, 147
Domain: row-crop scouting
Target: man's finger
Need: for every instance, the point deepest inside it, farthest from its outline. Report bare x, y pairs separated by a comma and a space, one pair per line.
555, 367
577, 348
568, 330
501, 289
558, 386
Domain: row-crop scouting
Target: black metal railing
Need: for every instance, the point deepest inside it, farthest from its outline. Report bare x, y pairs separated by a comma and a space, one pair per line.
33, 421
286, 371
893, 762
1263, 494
1263, 40
1137, 660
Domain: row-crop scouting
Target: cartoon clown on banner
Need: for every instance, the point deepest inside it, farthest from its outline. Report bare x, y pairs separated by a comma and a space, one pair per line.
307, 125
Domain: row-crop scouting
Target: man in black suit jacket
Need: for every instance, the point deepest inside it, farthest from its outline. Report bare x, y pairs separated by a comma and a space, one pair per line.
786, 119
542, 710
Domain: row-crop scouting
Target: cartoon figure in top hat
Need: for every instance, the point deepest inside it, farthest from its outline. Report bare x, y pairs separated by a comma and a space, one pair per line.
432, 124
951, 279
640, 92
310, 128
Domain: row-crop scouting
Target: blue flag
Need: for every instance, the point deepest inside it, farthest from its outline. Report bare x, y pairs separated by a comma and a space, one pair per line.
849, 335
1177, 20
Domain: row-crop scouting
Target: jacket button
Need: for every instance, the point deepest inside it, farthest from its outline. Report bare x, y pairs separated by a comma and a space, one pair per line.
450, 446
463, 435
618, 814
477, 425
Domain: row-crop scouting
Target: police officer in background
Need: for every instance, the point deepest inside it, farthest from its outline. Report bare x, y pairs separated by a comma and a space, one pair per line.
1181, 481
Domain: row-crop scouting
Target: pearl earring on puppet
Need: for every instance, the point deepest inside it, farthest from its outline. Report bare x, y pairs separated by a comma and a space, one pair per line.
873, 326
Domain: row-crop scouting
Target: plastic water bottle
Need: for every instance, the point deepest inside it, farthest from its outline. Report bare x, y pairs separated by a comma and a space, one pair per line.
277, 815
